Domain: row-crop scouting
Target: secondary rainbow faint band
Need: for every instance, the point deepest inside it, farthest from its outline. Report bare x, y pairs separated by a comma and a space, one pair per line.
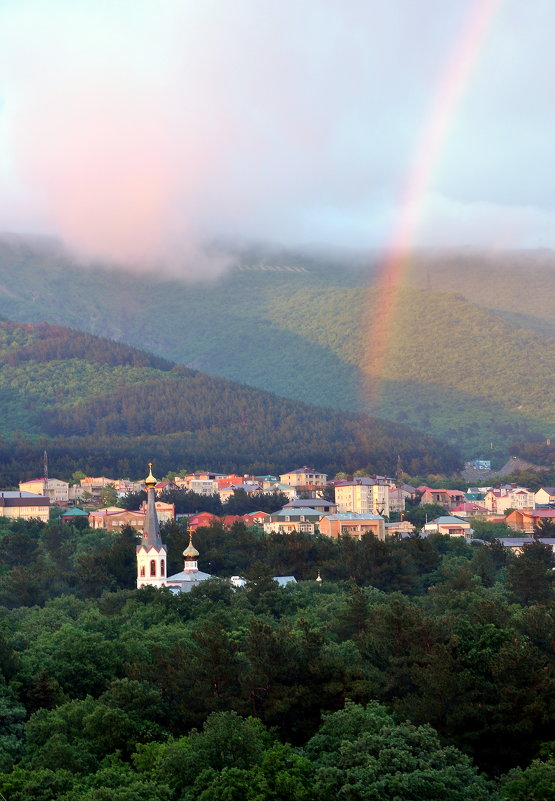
383, 306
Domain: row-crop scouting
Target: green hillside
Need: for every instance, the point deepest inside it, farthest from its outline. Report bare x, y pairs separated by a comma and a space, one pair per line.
471, 343
104, 407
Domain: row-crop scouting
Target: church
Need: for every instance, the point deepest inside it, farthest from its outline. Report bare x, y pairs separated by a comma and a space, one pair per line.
152, 554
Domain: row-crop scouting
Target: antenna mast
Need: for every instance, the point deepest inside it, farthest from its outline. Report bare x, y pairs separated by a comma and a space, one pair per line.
399, 472
45, 473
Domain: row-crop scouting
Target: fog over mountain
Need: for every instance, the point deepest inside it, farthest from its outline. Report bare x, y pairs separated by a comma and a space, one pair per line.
136, 132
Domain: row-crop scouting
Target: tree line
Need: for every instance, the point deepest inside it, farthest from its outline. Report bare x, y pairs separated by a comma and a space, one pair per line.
445, 650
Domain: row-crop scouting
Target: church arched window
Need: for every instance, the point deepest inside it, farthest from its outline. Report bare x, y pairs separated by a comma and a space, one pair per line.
153, 567
162, 568
142, 571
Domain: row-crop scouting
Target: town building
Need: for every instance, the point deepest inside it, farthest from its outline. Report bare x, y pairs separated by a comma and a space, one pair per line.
442, 497
318, 504
56, 490
363, 496
282, 581
113, 518
203, 486
94, 485
201, 519
527, 520
516, 544
510, 496
470, 509
351, 524
73, 515
24, 505
286, 521
284, 489
165, 511
248, 487
305, 478
545, 496
447, 524
397, 498
255, 518
125, 486
402, 528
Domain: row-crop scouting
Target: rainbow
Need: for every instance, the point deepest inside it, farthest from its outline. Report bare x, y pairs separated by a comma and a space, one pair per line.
456, 74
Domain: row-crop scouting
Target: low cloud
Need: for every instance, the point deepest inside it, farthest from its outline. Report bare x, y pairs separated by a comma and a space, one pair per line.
138, 132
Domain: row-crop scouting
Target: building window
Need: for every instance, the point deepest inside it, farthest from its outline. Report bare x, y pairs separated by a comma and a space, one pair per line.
142, 571
152, 567
162, 568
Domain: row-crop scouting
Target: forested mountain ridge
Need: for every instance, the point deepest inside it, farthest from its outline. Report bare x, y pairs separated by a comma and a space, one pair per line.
100, 406
471, 346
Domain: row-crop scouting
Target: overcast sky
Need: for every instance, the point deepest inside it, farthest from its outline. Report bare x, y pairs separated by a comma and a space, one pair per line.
135, 130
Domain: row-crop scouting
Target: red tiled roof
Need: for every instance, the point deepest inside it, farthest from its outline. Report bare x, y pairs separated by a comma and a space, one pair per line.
534, 512
469, 507
229, 520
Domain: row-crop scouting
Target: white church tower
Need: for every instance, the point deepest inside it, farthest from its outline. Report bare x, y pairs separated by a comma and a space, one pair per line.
151, 553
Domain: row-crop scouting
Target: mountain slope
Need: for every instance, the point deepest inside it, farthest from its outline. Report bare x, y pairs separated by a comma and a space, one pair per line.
104, 407
475, 371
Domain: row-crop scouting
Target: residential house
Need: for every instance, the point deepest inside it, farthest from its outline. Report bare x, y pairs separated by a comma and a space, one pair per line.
164, 511
255, 518
124, 486
443, 497
447, 524
282, 581
397, 499
302, 519
234, 480
402, 528
112, 518
475, 495
57, 490
203, 486
285, 489
351, 524
527, 520
319, 504
164, 486
94, 485
499, 499
201, 519
266, 481
515, 544
74, 514
545, 496
228, 520
470, 509
249, 487
24, 505
304, 478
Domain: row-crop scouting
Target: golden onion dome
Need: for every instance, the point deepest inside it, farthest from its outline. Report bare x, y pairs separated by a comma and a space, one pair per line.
150, 481
190, 551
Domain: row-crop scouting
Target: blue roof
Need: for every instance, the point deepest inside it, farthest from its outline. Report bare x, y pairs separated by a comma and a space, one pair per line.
296, 512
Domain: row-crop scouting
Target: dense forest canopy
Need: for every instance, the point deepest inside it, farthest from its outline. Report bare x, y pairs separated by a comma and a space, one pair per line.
100, 406
418, 669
